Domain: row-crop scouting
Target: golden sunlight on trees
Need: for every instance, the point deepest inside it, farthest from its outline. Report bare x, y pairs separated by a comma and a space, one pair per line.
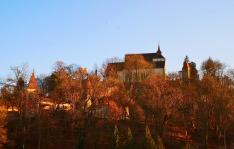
107, 71
213, 68
159, 100
214, 108
3, 130
86, 109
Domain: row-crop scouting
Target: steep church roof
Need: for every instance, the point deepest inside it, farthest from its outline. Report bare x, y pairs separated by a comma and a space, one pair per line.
159, 53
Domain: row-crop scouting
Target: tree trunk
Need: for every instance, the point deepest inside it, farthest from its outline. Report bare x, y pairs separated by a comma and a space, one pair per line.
224, 139
206, 138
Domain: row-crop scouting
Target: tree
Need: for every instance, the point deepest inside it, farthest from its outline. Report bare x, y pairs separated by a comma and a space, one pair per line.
173, 76
149, 141
214, 107
223, 108
205, 106
21, 96
108, 69
116, 139
58, 83
213, 68
137, 68
96, 89
159, 99
160, 144
20, 72
75, 89
194, 72
129, 144
8, 97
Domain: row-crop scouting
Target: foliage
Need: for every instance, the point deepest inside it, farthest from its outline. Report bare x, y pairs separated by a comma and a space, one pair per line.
160, 100
3, 131
200, 109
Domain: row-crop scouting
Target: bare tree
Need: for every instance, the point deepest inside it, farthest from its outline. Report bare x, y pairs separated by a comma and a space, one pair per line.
137, 68
160, 101
213, 68
107, 69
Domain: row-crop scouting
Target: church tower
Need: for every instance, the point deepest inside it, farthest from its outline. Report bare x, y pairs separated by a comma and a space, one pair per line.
32, 85
186, 70
159, 62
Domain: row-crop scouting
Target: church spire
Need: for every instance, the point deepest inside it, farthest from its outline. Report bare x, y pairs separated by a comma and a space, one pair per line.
159, 50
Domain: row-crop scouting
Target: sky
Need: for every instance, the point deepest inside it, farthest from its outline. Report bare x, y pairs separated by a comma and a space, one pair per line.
87, 32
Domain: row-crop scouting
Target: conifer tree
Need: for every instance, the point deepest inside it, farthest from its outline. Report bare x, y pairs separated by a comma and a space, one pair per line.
160, 144
116, 144
129, 142
188, 145
149, 141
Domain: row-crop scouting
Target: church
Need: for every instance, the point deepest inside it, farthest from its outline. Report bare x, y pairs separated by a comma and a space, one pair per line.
137, 67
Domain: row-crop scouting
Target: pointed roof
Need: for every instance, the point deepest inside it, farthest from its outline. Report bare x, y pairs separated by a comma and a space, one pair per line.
186, 64
159, 52
32, 85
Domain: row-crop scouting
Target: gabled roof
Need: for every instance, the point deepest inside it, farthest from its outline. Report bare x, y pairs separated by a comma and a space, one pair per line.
149, 56
112, 68
118, 66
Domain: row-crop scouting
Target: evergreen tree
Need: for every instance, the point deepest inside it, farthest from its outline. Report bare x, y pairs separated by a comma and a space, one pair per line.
116, 140
194, 72
149, 141
160, 144
188, 146
129, 142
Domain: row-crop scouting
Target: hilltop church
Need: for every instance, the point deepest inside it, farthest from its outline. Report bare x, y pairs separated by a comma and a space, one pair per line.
136, 67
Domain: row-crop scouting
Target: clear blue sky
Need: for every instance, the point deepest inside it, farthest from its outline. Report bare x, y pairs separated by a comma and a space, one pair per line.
86, 32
